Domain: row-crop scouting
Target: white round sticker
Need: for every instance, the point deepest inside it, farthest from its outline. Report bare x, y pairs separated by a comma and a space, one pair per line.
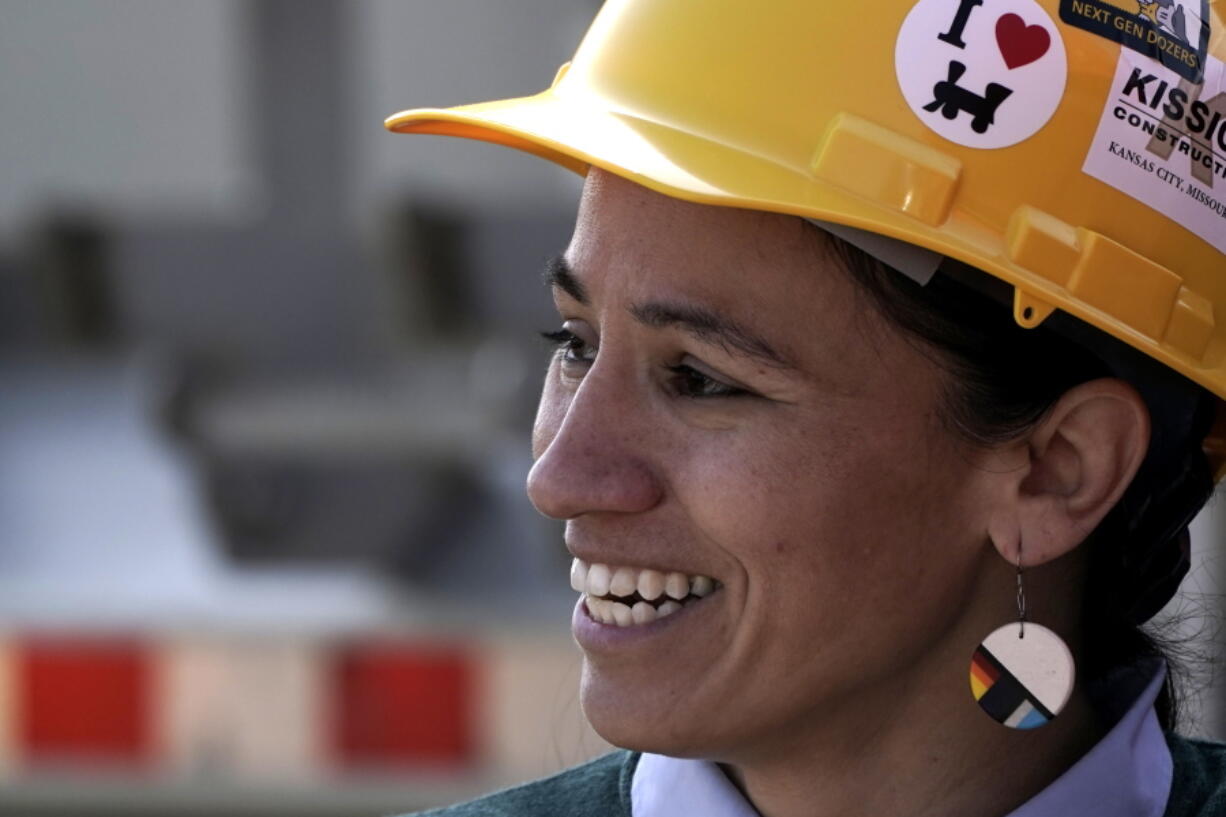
982, 74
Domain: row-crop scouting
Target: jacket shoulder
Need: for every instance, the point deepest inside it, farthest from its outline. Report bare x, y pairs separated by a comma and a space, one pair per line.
598, 788
1198, 787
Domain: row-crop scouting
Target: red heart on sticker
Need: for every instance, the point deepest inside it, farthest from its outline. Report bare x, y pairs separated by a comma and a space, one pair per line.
1019, 43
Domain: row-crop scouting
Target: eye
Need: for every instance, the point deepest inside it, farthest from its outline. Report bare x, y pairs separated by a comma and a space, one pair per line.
690, 382
575, 350
685, 381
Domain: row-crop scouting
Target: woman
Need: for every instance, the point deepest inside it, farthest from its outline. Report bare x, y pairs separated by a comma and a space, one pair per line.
812, 468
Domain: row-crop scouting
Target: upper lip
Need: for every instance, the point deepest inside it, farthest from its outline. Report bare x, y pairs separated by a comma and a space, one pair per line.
590, 556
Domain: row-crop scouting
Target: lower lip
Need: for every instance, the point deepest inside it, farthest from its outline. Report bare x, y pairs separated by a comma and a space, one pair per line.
595, 635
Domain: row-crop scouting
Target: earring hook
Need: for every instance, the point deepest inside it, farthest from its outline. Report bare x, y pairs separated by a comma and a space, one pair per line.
1021, 596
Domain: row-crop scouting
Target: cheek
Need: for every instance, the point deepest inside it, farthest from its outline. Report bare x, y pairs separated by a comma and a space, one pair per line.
770, 484
838, 502
845, 545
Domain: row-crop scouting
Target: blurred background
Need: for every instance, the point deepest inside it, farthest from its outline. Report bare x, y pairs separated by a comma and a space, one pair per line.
266, 379
266, 376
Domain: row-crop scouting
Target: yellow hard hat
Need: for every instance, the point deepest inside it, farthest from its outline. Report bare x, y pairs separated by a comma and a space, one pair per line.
1075, 149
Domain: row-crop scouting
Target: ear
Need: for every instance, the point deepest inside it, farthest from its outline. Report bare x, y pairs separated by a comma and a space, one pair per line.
1081, 458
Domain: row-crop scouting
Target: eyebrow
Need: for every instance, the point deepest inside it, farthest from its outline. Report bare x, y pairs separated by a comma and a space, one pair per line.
704, 324
559, 275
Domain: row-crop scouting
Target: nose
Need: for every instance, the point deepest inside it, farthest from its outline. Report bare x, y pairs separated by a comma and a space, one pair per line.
595, 451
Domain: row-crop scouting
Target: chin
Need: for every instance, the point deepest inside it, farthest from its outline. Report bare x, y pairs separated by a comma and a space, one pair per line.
643, 717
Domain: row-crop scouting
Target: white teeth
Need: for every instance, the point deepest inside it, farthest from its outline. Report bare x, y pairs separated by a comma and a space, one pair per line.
622, 616
623, 582
598, 580
578, 576
599, 608
677, 586
702, 586
651, 584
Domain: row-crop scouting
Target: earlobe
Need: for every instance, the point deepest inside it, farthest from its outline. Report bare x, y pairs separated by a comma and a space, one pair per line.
1082, 456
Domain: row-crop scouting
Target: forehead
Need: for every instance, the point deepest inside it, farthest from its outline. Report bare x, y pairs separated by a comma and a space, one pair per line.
771, 271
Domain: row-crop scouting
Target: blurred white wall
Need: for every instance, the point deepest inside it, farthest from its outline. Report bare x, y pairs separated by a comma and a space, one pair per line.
424, 53
137, 105
143, 106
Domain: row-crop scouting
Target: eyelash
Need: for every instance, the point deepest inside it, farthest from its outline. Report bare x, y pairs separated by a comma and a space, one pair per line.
568, 342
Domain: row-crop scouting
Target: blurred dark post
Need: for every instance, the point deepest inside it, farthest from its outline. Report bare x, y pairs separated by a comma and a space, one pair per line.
299, 76
72, 270
429, 257
58, 290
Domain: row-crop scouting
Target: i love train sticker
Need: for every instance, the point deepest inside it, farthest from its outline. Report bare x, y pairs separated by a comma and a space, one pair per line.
1162, 140
981, 74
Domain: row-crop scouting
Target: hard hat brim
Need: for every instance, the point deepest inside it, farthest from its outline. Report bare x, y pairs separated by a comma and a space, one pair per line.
683, 165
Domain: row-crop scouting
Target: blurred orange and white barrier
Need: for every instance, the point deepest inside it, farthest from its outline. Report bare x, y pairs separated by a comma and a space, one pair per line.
285, 708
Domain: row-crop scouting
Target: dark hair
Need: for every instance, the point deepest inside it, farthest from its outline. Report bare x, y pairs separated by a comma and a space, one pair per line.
1005, 380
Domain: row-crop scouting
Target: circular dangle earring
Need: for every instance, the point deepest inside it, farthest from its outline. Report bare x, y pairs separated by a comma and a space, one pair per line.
1022, 674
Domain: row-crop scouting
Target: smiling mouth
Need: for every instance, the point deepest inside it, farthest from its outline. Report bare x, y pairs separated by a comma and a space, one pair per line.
628, 596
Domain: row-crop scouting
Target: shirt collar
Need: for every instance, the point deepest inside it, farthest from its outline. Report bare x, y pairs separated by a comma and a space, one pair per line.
1127, 773
665, 786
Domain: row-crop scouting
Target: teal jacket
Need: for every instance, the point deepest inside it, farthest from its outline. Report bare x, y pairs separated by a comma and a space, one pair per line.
601, 788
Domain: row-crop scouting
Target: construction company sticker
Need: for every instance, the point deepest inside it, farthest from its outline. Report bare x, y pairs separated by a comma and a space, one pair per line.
983, 75
1162, 140
1173, 32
